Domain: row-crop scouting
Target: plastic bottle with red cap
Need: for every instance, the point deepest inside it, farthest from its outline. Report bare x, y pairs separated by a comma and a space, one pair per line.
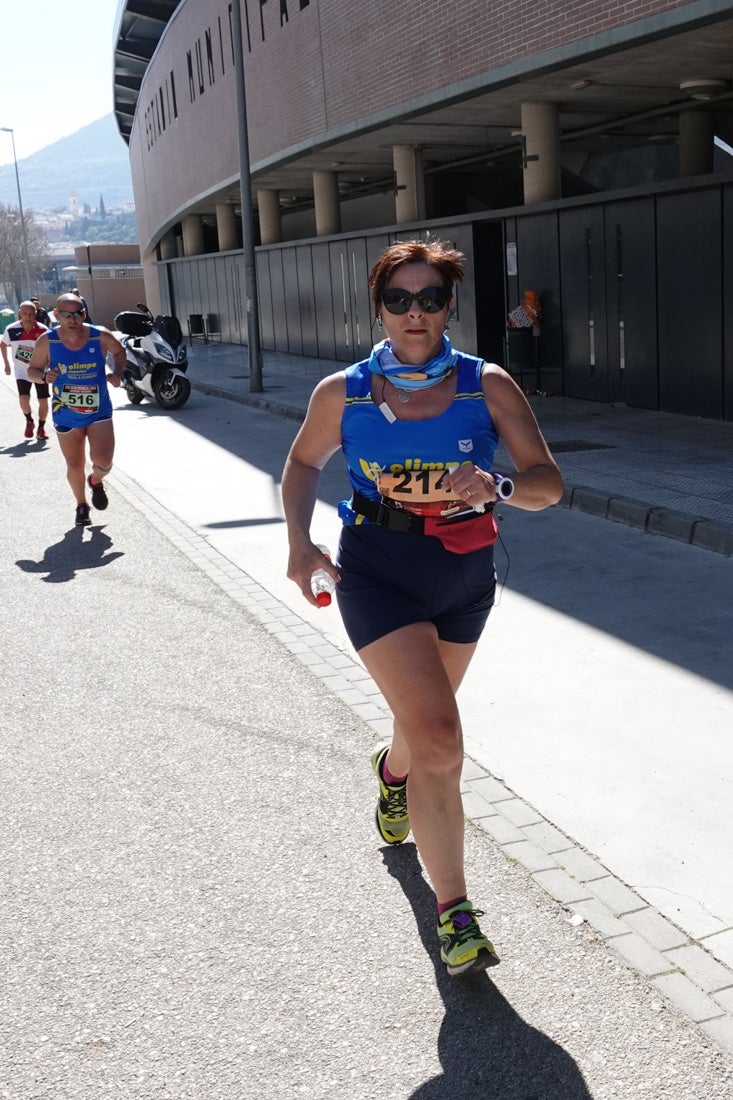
323, 585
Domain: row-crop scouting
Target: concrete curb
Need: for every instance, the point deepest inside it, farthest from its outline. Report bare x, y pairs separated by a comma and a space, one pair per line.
698, 531
288, 412
696, 978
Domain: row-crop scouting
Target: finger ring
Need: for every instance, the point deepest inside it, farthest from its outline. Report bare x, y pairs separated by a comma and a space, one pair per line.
469, 493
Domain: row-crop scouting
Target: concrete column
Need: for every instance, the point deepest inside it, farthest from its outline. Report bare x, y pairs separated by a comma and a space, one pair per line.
409, 183
696, 143
168, 246
328, 208
193, 235
226, 227
541, 143
268, 204
152, 281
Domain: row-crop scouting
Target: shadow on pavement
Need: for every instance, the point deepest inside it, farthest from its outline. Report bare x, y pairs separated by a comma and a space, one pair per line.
62, 561
226, 525
639, 593
486, 1049
27, 447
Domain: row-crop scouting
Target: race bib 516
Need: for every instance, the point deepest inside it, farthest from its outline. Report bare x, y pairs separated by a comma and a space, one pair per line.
83, 399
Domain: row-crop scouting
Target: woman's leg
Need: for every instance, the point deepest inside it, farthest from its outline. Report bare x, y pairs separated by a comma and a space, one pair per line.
456, 659
418, 676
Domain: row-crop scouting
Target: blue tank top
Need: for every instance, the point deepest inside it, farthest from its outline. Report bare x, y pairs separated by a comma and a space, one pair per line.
465, 432
79, 396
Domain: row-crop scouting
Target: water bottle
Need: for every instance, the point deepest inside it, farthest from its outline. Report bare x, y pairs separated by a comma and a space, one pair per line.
322, 583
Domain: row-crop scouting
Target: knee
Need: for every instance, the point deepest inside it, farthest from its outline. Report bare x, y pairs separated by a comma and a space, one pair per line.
440, 748
75, 464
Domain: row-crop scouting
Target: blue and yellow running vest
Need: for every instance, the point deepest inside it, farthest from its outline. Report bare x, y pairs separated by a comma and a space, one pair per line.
465, 432
79, 396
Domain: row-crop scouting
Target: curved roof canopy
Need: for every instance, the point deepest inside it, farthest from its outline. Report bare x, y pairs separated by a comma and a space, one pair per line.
622, 94
138, 29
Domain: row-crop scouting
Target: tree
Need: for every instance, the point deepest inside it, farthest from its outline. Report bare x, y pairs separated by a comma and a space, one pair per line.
102, 208
118, 228
14, 280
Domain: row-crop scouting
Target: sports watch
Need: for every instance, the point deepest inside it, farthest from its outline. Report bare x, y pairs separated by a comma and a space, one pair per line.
504, 485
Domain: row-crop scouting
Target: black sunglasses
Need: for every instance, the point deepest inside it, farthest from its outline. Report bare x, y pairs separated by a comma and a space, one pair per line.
67, 313
431, 299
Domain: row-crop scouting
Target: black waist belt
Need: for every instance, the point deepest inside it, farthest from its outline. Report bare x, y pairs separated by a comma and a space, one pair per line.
396, 519
386, 516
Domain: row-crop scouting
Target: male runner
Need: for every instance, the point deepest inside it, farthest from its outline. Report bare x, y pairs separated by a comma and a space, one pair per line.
73, 357
21, 337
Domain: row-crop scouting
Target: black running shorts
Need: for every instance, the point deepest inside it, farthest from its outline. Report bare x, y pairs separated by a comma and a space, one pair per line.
24, 387
391, 579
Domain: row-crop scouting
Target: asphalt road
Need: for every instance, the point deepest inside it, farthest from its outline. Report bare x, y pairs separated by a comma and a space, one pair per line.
195, 902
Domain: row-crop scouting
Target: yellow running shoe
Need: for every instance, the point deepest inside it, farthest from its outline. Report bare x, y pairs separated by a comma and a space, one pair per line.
464, 947
391, 816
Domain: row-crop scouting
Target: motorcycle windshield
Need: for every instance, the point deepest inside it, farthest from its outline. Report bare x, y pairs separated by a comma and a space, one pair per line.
133, 324
170, 329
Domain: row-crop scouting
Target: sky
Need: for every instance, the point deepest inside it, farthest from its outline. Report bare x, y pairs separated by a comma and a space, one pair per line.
61, 79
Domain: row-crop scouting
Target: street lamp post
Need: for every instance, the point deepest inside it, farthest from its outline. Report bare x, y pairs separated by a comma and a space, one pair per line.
9, 130
254, 349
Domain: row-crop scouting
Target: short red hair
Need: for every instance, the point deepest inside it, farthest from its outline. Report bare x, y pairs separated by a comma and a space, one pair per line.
439, 254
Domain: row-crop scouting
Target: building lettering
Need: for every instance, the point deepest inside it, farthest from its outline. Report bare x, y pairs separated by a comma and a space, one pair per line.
162, 109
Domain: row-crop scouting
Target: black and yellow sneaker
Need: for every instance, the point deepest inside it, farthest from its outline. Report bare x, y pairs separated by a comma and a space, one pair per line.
464, 948
391, 815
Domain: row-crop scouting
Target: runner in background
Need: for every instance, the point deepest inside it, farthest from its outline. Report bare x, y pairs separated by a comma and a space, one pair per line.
73, 357
42, 314
19, 340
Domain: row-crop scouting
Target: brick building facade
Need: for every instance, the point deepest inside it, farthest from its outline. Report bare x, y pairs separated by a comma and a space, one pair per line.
393, 120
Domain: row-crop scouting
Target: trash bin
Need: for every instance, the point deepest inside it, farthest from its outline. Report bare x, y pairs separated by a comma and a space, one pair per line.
196, 328
519, 356
522, 355
213, 329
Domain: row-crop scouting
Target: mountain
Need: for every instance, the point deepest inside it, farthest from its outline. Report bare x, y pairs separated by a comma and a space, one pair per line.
92, 162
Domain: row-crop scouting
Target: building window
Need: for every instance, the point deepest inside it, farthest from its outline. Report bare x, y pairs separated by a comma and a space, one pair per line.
209, 56
191, 85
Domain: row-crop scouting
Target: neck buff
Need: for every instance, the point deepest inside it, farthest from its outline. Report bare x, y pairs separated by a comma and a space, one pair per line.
383, 361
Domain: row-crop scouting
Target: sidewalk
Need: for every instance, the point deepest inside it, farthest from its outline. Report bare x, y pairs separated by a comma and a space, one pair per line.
668, 474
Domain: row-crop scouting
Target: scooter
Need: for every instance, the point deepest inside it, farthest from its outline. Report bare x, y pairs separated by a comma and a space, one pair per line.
156, 358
